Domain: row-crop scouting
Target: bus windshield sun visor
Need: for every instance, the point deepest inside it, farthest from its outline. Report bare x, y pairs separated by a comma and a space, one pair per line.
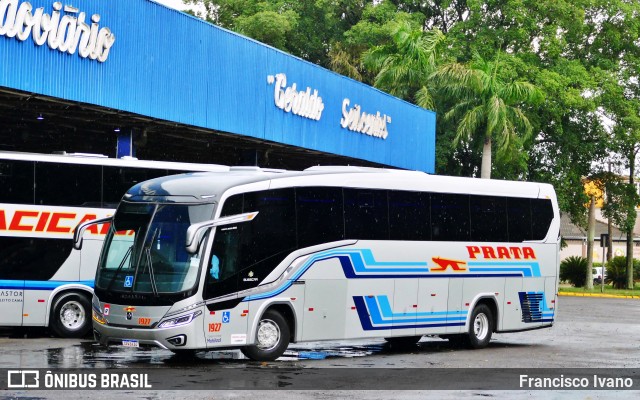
79, 231
194, 232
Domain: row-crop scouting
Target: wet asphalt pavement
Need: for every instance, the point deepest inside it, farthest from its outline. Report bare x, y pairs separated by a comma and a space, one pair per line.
589, 333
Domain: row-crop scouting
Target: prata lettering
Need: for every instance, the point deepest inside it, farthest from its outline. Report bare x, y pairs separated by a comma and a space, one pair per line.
358, 121
61, 30
289, 99
502, 252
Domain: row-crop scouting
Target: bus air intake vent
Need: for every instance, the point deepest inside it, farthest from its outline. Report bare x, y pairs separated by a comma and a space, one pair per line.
530, 303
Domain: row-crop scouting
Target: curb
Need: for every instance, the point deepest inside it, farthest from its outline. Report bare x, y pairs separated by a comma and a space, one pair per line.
610, 296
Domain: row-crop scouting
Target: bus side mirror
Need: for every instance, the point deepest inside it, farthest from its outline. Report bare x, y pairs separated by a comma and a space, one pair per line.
79, 231
195, 231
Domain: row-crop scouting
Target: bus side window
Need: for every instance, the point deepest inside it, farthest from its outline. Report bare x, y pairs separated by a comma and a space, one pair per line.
68, 185
409, 217
488, 219
224, 264
319, 215
366, 214
519, 219
542, 213
449, 217
16, 181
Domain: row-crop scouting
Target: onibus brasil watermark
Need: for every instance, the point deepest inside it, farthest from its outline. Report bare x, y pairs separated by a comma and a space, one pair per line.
33, 379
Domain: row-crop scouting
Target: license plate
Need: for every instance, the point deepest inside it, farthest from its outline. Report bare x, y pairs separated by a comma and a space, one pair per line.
130, 343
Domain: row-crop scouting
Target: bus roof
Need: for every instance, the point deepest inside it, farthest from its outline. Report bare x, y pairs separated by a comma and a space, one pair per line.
208, 185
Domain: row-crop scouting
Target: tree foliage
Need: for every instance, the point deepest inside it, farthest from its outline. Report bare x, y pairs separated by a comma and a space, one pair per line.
582, 55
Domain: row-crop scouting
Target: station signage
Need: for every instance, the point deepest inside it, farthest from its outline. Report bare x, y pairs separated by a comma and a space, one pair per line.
65, 29
290, 100
359, 121
309, 104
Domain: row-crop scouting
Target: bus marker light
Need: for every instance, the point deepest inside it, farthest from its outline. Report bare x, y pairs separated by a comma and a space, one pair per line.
245, 311
415, 306
433, 295
293, 298
466, 304
353, 308
243, 315
508, 302
311, 309
25, 315
40, 300
212, 313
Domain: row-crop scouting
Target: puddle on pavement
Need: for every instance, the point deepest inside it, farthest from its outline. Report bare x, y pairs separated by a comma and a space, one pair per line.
89, 354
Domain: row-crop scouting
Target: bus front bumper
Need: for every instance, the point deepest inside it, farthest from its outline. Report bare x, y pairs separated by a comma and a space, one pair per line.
182, 337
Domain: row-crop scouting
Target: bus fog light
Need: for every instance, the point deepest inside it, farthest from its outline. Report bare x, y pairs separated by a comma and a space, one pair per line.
179, 340
178, 321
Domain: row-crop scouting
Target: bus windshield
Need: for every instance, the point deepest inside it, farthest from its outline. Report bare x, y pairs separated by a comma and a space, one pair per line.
145, 249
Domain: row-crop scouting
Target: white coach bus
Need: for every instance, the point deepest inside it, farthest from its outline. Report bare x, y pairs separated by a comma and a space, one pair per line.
256, 259
43, 280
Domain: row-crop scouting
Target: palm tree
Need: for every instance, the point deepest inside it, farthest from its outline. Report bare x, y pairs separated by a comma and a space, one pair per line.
488, 105
403, 67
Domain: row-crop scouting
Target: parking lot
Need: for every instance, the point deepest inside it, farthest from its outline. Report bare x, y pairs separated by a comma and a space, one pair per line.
589, 333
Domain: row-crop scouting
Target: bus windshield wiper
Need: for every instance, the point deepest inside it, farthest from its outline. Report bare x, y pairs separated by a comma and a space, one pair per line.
117, 271
152, 277
147, 252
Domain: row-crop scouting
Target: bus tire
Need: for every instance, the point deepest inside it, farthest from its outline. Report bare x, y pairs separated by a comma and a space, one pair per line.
70, 315
480, 327
272, 338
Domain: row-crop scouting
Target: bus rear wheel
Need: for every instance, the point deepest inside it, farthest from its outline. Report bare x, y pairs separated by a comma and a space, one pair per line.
71, 315
272, 338
480, 327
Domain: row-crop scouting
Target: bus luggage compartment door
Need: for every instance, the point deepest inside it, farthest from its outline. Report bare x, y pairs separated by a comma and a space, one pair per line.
11, 302
324, 309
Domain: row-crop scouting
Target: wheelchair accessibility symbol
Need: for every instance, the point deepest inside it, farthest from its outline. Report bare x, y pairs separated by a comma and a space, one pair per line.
226, 317
128, 281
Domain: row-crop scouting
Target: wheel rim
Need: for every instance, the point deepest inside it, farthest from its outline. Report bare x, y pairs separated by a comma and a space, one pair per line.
481, 326
268, 335
72, 315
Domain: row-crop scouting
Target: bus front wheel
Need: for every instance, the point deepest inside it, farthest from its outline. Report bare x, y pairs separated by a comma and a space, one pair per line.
480, 327
71, 315
272, 338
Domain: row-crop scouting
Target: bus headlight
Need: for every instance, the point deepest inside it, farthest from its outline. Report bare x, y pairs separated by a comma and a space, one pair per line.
98, 318
177, 321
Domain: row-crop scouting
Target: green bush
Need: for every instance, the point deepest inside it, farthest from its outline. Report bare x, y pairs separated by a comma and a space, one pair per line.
574, 270
617, 272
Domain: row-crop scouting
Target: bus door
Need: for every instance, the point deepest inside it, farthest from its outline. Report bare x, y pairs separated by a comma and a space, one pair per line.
11, 302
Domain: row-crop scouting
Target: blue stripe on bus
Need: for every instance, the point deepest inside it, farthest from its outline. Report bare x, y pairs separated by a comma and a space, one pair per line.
378, 319
365, 320
385, 309
527, 268
361, 264
40, 285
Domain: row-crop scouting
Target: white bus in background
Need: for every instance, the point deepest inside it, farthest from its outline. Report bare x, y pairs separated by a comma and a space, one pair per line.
43, 280
256, 259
